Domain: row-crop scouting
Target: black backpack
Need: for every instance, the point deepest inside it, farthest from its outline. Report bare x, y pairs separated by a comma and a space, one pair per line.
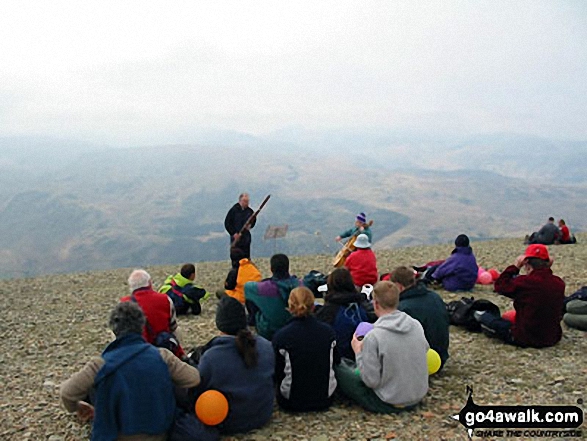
460, 312
313, 280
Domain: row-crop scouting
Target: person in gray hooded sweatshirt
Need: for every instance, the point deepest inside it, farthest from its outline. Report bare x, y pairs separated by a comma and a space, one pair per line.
391, 373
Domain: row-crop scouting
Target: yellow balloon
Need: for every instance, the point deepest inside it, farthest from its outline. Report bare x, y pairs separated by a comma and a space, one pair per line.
433, 361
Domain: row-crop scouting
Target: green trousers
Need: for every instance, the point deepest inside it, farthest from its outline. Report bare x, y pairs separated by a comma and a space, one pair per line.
351, 385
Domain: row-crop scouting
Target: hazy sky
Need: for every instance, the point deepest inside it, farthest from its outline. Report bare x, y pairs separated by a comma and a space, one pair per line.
135, 72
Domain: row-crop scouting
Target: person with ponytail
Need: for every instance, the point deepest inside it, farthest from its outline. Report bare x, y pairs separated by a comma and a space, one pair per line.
241, 366
305, 351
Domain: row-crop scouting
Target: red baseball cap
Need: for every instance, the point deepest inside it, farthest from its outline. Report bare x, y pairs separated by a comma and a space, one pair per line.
537, 250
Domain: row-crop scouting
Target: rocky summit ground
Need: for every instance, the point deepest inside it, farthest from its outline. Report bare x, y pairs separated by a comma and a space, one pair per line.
52, 325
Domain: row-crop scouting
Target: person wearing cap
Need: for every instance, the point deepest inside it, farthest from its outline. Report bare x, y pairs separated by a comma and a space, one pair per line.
538, 300
361, 226
305, 354
241, 366
427, 307
362, 263
459, 271
131, 385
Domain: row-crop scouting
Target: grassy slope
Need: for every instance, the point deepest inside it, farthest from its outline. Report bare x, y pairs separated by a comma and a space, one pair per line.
52, 325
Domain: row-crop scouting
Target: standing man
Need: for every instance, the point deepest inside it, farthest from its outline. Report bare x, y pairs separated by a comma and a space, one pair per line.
235, 220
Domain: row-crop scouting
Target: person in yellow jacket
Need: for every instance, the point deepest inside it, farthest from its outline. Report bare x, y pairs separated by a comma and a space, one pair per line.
183, 292
243, 271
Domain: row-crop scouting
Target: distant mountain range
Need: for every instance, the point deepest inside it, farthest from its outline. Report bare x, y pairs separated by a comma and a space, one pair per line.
66, 206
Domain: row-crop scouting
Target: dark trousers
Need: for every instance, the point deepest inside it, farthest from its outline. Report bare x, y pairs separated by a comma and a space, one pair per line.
244, 243
494, 326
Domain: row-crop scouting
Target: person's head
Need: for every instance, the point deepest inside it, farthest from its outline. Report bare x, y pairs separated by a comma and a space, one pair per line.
301, 302
279, 264
231, 319
126, 318
139, 278
385, 297
243, 200
361, 219
462, 240
403, 277
561, 223
236, 255
188, 271
340, 280
362, 242
551, 220
537, 257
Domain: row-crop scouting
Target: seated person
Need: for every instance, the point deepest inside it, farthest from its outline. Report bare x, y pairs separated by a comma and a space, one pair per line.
241, 366
547, 235
182, 291
128, 374
459, 271
243, 271
538, 300
266, 301
305, 354
576, 315
426, 306
362, 263
391, 359
361, 227
158, 308
344, 308
566, 237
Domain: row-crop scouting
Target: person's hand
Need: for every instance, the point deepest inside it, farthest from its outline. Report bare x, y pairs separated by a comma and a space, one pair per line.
520, 261
85, 411
361, 229
338, 238
356, 344
236, 236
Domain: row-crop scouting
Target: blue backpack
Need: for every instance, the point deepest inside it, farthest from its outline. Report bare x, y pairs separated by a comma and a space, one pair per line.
345, 323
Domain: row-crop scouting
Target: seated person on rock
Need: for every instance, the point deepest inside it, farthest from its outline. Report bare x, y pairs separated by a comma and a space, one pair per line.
241, 365
549, 234
305, 355
344, 308
158, 308
426, 306
131, 384
538, 301
362, 263
391, 359
243, 271
459, 271
267, 300
183, 292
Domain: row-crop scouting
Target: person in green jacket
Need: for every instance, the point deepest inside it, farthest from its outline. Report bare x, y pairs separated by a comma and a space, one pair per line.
361, 226
181, 290
267, 301
426, 306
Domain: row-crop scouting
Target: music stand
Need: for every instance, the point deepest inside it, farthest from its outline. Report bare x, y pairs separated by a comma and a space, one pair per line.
275, 232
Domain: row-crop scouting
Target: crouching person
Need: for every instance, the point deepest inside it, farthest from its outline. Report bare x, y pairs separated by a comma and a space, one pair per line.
131, 384
391, 373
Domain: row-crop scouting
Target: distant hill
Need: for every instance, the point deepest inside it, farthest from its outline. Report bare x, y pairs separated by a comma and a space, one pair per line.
80, 207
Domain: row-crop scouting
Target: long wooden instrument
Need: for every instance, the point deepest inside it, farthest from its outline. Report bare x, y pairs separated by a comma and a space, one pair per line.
347, 249
250, 219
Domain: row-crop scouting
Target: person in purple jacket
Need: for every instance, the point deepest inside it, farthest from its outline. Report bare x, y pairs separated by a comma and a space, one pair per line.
459, 271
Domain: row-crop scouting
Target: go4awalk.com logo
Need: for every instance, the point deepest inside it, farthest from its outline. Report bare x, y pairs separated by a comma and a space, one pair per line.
520, 421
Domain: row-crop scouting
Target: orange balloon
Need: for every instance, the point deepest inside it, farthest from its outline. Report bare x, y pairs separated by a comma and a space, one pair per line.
212, 407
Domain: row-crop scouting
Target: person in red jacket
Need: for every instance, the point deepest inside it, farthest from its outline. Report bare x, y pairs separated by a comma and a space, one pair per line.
566, 237
362, 263
157, 307
538, 300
